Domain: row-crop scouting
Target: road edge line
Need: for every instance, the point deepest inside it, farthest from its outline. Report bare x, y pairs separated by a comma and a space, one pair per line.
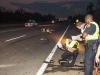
44, 65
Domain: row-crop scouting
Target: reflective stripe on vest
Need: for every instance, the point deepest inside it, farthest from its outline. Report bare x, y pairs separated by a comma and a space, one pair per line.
70, 45
95, 35
82, 30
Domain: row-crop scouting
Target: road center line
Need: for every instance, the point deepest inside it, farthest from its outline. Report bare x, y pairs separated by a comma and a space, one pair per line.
44, 65
15, 38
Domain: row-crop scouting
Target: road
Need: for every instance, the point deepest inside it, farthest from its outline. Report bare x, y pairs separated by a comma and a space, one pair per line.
22, 52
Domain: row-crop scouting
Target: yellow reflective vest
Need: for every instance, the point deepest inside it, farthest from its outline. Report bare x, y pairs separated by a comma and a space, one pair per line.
95, 35
71, 45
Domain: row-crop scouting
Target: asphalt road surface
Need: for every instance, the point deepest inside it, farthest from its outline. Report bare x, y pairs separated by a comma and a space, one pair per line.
23, 53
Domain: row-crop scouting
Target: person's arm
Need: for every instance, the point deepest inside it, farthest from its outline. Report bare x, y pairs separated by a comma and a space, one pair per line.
71, 49
79, 35
97, 55
84, 35
89, 30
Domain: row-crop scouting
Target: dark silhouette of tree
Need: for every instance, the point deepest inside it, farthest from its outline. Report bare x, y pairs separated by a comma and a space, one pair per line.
80, 17
70, 18
89, 8
37, 16
98, 2
20, 16
97, 11
51, 17
2, 9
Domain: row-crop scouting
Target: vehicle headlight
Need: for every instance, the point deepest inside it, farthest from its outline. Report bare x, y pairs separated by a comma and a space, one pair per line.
53, 21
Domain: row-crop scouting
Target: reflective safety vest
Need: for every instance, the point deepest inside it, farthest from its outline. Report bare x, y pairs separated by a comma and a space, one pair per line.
72, 44
93, 36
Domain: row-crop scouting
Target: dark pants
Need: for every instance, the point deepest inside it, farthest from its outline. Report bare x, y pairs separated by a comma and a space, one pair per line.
67, 55
90, 53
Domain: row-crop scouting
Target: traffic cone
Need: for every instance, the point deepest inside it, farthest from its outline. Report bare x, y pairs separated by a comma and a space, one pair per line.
96, 68
96, 71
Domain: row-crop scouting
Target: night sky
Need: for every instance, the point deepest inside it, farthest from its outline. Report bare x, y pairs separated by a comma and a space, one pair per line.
60, 8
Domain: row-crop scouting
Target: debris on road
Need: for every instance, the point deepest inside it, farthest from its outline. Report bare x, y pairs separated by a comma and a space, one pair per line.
43, 40
47, 30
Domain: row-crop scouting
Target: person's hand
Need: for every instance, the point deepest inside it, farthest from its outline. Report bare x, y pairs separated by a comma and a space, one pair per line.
71, 49
97, 59
80, 39
61, 48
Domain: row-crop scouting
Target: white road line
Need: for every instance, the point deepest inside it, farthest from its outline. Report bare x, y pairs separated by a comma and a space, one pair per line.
15, 38
44, 65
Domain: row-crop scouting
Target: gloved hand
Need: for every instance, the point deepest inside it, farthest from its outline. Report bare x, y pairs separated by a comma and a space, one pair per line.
97, 59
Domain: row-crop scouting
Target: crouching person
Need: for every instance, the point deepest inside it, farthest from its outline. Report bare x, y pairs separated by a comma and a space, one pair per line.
70, 54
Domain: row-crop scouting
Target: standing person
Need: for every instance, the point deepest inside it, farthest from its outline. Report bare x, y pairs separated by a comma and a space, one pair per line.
97, 57
71, 49
90, 34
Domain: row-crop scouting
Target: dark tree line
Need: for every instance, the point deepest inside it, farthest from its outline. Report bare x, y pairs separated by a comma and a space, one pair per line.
20, 16
96, 11
90, 9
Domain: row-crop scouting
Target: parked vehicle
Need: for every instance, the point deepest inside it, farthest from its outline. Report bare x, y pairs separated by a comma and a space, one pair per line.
31, 23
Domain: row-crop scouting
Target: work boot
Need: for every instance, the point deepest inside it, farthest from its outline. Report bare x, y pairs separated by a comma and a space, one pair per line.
60, 61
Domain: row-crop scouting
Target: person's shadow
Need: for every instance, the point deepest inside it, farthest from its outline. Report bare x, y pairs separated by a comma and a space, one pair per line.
55, 68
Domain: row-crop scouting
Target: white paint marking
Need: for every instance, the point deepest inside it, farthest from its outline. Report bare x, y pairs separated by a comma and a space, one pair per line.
44, 65
8, 65
15, 38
